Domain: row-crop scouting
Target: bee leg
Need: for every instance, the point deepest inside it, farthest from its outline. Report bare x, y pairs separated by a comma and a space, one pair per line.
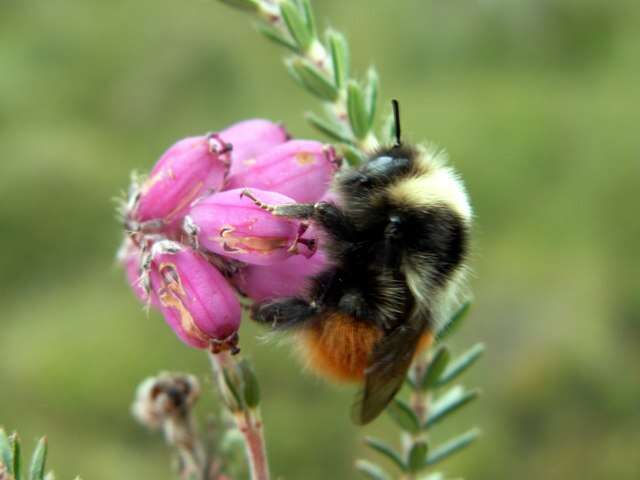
328, 215
284, 313
291, 210
331, 217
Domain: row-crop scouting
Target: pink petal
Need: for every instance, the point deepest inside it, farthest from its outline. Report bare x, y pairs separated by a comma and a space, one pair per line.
184, 172
195, 299
284, 279
231, 224
300, 169
251, 138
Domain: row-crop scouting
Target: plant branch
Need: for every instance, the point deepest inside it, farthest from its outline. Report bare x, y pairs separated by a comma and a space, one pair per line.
239, 390
322, 68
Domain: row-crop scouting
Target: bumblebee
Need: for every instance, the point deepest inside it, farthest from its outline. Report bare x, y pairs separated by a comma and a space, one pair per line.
397, 239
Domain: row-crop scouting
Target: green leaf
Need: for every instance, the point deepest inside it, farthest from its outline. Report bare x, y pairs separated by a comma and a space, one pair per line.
386, 450
296, 24
453, 323
276, 36
404, 416
432, 476
288, 62
452, 446
352, 155
417, 456
312, 79
17, 454
411, 381
329, 128
452, 401
231, 394
251, 389
435, 368
460, 364
308, 16
371, 95
38, 460
6, 451
339, 49
357, 110
371, 470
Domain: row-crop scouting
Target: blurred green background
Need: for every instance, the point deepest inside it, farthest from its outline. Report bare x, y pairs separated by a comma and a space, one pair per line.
537, 102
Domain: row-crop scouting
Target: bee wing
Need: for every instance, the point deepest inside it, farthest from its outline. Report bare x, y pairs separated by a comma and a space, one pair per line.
388, 365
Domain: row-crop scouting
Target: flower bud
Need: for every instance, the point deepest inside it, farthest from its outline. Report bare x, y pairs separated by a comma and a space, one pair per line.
284, 279
189, 168
195, 299
249, 139
300, 169
230, 224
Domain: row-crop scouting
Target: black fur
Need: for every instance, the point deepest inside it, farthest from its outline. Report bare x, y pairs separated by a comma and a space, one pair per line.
284, 313
368, 237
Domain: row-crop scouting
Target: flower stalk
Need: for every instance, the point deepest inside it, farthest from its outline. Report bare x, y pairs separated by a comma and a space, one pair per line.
238, 387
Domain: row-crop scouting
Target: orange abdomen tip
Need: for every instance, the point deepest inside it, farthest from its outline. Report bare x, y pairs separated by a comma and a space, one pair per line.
339, 347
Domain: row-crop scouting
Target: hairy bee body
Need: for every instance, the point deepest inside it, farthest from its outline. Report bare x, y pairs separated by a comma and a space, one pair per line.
397, 239
338, 347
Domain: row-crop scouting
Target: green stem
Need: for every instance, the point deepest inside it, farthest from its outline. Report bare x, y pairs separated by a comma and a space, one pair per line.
247, 420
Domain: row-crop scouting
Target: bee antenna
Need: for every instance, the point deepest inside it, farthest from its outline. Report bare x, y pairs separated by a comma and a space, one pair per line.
396, 118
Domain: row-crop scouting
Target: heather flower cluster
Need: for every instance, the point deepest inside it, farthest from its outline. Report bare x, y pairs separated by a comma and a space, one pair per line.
194, 239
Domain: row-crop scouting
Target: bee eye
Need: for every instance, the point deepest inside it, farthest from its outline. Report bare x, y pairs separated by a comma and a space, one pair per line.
386, 165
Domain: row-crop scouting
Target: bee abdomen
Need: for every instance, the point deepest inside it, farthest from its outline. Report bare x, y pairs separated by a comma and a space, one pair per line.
339, 346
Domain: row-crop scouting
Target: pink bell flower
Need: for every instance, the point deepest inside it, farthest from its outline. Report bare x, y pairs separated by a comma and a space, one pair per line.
285, 279
196, 300
230, 224
299, 169
189, 168
249, 139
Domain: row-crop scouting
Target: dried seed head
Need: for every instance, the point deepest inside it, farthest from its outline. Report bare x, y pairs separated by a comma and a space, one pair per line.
165, 396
